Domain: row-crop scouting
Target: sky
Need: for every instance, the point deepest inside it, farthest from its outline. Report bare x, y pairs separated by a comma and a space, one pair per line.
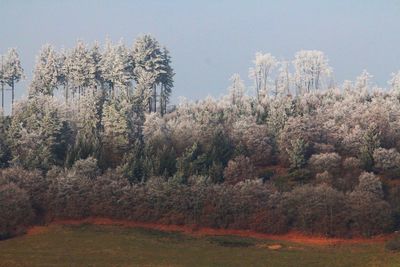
209, 40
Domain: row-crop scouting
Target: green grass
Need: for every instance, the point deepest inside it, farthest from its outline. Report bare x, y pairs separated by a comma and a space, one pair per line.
90, 245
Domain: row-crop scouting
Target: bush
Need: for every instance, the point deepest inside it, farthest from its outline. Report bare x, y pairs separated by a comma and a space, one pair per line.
329, 162
34, 184
370, 215
239, 169
317, 209
387, 161
86, 168
70, 196
15, 210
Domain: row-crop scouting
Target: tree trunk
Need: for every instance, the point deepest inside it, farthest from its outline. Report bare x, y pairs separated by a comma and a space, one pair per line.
66, 93
154, 98
2, 96
162, 102
12, 96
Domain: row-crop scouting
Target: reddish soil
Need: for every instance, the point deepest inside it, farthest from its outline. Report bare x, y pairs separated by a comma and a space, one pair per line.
194, 231
35, 230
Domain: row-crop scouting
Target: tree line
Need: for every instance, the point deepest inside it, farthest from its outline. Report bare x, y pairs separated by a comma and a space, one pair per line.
300, 153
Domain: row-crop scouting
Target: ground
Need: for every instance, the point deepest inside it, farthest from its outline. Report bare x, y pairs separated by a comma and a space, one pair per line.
111, 245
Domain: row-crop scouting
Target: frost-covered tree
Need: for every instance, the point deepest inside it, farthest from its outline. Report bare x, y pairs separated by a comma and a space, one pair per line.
96, 55
260, 73
394, 82
363, 81
311, 68
370, 141
12, 70
386, 159
86, 115
115, 138
46, 74
325, 162
166, 81
116, 67
39, 133
80, 69
148, 57
282, 80
370, 214
238, 170
298, 153
236, 90
5, 154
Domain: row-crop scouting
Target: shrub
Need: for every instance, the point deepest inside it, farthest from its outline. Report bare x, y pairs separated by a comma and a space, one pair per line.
317, 209
369, 182
370, 215
239, 169
34, 184
86, 168
15, 210
351, 163
323, 178
70, 196
387, 160
329, 162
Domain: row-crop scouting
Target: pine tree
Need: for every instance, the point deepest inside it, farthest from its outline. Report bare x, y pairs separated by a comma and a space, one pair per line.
148, 57
96, 56
115, 138
81, 68
116, 67
46, 72
166, 81
38, 133
13, 71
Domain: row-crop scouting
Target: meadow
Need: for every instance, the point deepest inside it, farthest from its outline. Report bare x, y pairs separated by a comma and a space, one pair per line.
100, 245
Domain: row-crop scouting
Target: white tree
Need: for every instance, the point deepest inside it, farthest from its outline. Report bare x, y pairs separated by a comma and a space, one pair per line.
263, 65
116, 66
311, 67
236, 90
148, 57
282, 81
95, 53
12, 71
394, 82
80, 68
363, 81
46, 72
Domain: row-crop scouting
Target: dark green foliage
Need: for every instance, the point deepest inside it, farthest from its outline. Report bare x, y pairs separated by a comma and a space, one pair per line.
370, 142
298, 153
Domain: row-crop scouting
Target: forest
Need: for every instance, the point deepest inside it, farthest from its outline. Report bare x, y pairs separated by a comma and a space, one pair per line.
97, 137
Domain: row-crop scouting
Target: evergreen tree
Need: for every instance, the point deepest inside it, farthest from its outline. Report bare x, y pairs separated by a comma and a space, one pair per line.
12, 71
39, 133
46, 74
80, 68
148, 57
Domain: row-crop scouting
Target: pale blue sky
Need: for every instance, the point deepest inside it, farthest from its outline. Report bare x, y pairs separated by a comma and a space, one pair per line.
211, 39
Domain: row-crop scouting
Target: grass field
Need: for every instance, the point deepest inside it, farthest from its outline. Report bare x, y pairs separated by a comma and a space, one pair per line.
91, 245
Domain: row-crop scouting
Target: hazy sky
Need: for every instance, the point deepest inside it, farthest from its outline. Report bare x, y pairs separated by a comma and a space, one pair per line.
211, 39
